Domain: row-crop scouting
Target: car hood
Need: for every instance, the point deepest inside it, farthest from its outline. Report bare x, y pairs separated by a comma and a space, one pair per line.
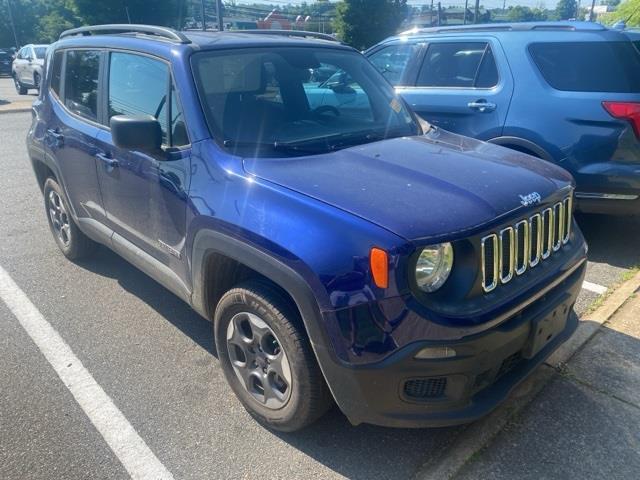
432, 186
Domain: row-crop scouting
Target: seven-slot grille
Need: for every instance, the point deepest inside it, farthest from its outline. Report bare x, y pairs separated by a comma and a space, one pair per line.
513, 249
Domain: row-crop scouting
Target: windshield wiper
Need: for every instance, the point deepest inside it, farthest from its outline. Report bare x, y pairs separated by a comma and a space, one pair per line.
275, 146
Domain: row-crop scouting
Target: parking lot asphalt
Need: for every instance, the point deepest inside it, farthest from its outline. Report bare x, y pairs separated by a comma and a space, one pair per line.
155, 359
10, 99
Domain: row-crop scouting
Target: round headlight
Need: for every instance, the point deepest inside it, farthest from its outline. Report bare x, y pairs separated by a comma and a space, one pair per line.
434, 266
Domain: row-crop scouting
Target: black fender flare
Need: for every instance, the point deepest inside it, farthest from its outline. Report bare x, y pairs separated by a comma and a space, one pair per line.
209, 241
524, 143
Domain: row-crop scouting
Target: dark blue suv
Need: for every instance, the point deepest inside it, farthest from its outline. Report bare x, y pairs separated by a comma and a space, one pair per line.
344, 249
567, 92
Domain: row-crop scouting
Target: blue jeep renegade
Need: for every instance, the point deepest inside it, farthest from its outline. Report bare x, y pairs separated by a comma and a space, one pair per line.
567, 92
344, 249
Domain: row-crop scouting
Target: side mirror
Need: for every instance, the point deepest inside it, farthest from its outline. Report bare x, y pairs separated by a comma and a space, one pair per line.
136, 132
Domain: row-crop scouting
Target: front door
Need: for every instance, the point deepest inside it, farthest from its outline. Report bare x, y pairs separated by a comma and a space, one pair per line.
463, 86
144, 193
19, 63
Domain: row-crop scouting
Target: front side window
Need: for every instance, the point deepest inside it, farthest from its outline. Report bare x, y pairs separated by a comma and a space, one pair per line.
458, 64
392, 61
589, 66
138, 85
82, 71
297, 101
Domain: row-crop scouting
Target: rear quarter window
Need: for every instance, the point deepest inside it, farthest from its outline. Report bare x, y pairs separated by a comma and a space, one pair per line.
589, 66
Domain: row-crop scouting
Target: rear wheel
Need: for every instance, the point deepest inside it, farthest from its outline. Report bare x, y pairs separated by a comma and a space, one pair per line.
21, 89
267, 359
72, 242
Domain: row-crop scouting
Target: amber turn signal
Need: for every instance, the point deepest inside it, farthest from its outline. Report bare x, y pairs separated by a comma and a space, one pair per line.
379, 263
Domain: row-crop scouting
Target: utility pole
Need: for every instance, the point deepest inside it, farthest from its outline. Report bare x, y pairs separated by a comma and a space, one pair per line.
591, 17
204, 18
466, 6
477, 12
439, 14
219, 12
13, 27
430, 15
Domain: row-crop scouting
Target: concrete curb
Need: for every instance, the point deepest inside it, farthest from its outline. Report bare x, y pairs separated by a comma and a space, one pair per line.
477, 435
15, 108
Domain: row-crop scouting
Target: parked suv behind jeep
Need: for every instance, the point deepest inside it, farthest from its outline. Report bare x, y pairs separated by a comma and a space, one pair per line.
27, 67
567, 92
343, 249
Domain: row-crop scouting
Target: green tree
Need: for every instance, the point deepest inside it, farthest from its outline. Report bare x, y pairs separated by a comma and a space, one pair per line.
628, 11
362, 23
525, 14
567, 9
154, 12
58, 18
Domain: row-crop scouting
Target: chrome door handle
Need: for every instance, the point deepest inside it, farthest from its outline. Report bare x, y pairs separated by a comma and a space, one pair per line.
482, 106
108, 161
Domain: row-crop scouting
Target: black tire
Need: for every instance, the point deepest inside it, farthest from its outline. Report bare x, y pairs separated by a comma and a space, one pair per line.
21, 89
74, 244
36, 81
308, 397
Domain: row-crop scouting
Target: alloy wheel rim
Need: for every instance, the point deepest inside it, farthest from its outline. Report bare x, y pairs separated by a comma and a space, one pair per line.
258, 360
59, 218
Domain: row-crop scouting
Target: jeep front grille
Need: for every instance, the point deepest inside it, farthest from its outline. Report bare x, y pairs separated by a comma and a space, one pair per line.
514, 249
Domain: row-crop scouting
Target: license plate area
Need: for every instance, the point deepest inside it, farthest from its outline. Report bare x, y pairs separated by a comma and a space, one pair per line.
545, 329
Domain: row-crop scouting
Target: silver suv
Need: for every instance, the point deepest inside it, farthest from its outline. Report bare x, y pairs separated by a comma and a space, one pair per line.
27, 67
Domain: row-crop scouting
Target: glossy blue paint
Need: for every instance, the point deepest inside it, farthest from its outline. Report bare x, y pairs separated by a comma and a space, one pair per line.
317, 216
572, 129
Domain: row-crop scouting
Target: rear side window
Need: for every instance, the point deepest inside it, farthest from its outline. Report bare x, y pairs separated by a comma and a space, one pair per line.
458, 64
589, 66
81, 83
56, 71
392, 61
40, 52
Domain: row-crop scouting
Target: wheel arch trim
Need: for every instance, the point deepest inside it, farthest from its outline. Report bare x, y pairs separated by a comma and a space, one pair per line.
208, 241
507, 141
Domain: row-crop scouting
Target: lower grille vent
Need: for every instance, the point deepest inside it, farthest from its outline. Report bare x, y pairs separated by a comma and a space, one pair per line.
422, 388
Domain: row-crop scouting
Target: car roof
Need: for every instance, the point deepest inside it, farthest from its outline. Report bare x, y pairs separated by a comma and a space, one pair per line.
524, 30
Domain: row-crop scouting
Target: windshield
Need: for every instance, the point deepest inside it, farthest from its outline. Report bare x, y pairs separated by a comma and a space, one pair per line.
297, 101
40, 51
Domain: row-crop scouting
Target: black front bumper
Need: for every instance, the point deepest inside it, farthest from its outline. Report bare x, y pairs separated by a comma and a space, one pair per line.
402, 391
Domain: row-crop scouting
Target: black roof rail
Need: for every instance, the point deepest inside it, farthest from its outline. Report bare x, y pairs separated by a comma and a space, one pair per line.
151, 30
289, 33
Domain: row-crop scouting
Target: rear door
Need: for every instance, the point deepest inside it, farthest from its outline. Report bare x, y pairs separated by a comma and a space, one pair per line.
73, 126
144, 193
462, 85
579, 79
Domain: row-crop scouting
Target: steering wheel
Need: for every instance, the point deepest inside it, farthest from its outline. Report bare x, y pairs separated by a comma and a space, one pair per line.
326, 109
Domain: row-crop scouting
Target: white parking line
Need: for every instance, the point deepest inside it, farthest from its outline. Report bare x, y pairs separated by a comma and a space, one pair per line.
594, 287
131, 450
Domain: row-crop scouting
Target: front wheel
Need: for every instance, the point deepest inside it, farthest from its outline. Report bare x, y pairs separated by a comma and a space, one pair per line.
267, 359
21, 89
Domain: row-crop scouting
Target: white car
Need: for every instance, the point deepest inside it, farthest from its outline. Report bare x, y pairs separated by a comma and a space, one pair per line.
27, 67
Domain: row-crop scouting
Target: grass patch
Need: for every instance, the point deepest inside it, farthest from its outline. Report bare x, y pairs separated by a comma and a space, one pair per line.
597, 303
